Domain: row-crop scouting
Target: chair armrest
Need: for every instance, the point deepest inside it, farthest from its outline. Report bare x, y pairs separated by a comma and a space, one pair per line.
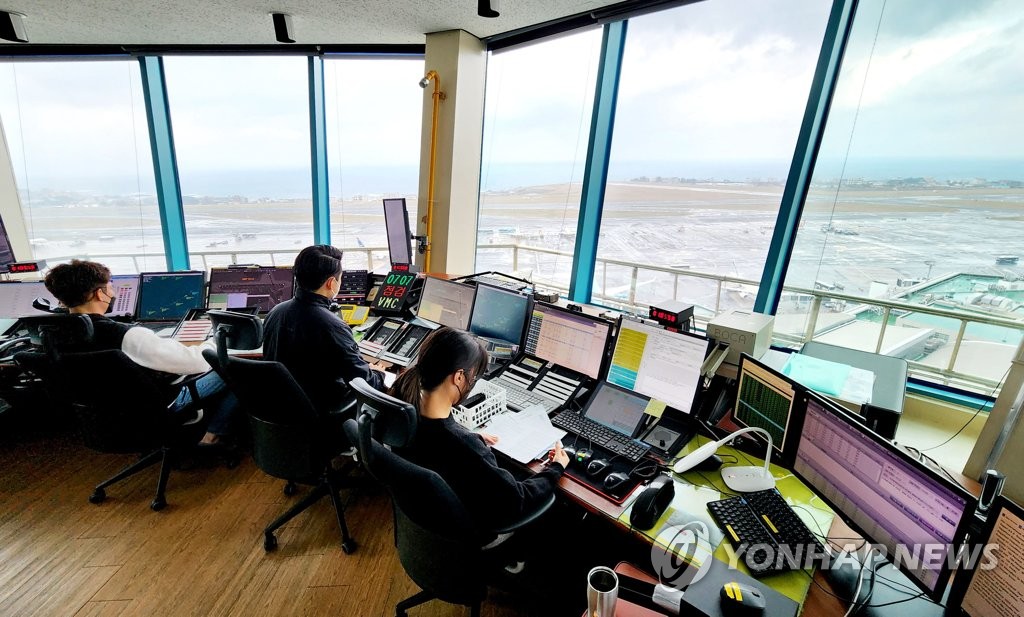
529, 517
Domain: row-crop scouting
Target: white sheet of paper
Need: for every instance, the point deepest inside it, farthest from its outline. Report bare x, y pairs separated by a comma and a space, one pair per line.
523, 436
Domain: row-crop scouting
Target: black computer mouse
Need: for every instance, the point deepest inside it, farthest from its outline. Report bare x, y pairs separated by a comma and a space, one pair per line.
712, 463
742, 600
598, 466
615, 479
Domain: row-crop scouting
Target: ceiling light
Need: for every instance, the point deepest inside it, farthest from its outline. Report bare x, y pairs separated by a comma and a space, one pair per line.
12, 27
283, 29
488, 8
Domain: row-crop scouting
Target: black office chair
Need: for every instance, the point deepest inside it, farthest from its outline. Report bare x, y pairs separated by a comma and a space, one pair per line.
119, 406
439, 545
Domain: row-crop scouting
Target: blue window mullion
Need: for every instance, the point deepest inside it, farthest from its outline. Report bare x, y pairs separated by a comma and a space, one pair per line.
826, 75
318, 152
595, 177
165, 163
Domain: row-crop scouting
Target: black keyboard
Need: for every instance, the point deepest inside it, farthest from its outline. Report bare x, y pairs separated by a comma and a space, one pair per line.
600, 435
764, 524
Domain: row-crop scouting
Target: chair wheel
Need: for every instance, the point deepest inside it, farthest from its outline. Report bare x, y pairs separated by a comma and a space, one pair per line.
290, 489
158, 504
269, 542
348, 546
98, 496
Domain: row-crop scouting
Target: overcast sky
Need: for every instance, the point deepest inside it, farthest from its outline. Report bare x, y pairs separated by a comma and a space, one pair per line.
718, 80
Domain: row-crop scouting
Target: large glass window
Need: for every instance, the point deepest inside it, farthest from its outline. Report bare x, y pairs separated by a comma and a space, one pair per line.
241, 133
79, 146
374, 111
709, 106
918, 192
536, 129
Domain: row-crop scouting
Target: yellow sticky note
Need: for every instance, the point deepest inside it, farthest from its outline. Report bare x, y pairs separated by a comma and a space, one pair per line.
655, 408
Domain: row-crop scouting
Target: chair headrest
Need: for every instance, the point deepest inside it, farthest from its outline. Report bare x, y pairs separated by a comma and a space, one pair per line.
394, 420
241, 331
59, 330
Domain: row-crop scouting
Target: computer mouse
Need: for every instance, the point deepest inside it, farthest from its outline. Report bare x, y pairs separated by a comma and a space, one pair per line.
597, 466
712, 463
615, 479
741, 600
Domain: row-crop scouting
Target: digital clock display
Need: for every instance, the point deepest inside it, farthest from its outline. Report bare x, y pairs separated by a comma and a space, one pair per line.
661, 315
392, 292
17, 268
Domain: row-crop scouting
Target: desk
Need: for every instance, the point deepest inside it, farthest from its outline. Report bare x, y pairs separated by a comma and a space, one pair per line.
693, 492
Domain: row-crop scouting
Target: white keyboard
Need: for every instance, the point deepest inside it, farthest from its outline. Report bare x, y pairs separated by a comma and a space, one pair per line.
518, 399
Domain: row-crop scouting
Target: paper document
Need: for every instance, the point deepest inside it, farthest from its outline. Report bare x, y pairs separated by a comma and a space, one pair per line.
523, 436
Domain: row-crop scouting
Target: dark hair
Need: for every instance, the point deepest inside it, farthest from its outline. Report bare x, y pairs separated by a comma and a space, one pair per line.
74, 282
445, 351
315, 264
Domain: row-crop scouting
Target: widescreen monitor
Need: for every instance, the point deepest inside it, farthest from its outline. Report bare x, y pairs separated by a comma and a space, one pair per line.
999, 590
396, 222
167, 296
499, 314
446, 302
573, 340
769, 400
16, 298
658, 363
257, 287
884, 494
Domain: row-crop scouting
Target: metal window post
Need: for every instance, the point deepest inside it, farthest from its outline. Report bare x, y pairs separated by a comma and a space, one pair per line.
826, 75
165, 163
595, 177
318, 152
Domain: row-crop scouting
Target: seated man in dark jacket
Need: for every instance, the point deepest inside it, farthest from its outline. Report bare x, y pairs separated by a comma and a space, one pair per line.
315, 344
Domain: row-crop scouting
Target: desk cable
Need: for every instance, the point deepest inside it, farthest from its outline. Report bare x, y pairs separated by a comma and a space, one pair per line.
975, 415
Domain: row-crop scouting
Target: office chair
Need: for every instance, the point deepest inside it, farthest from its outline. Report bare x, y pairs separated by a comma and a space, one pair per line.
119, 406
289, 440
439, 545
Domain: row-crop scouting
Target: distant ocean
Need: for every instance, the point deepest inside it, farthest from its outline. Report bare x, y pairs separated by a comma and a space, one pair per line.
402, 180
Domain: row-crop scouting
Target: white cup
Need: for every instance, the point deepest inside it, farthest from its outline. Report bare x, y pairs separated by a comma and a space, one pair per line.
602, 592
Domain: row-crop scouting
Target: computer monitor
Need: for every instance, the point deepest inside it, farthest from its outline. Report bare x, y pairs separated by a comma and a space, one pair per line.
658, 363
262, 287
6, 252
446, 302
573, 340
16, 298
396, 222
499, 314
127, 300
617, 408
767, 399
167, 296
995, 591
884, 494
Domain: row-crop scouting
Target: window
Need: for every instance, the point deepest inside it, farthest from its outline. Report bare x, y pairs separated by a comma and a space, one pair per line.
918, 190
710, 101
536, 128
374, 111
79, 146
241, 134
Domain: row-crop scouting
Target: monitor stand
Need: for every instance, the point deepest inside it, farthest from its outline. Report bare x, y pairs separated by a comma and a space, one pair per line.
890, 585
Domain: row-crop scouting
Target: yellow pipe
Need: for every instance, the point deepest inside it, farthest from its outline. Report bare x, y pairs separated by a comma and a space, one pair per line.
438, 96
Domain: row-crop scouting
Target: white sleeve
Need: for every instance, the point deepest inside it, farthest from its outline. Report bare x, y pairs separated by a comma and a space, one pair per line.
147, 349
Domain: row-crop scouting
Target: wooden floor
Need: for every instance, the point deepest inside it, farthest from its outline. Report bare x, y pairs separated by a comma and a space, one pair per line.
202, 555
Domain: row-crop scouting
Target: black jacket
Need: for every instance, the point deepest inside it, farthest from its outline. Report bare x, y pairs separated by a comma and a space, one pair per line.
318, 349
491, 494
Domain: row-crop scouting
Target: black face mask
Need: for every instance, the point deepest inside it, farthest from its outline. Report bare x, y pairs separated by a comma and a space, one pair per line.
110, 302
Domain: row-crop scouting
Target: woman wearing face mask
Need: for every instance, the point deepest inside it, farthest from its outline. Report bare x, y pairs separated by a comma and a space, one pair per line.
450, 361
